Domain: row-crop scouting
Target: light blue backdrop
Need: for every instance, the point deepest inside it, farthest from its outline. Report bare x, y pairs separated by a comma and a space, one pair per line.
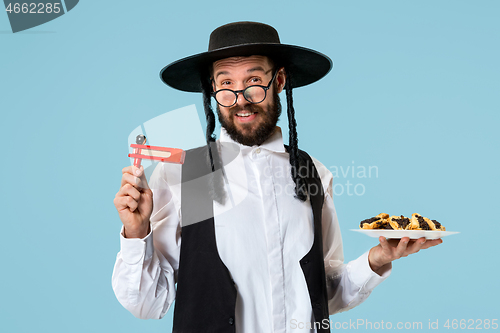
414, 93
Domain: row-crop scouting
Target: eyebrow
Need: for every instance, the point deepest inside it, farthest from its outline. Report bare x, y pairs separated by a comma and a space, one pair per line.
251, 70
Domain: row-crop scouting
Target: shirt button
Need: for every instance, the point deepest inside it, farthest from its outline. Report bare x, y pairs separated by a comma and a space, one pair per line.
257, 151
231, 320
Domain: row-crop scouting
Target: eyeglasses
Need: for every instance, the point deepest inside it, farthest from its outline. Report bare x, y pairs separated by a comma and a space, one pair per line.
254, 94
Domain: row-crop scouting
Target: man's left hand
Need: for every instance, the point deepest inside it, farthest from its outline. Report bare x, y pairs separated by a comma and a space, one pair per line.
391, 249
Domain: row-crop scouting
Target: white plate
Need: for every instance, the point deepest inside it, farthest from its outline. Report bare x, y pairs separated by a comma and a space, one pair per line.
413, 234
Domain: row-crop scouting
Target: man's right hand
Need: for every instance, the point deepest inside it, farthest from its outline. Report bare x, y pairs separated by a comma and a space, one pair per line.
134, 202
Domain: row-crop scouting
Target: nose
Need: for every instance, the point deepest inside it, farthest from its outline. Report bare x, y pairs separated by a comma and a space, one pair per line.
240, 99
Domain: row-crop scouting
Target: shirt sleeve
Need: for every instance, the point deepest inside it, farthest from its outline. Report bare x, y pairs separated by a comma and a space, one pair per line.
348, 285
145, 271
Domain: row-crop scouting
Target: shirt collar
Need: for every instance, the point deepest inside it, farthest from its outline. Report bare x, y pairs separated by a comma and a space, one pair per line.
274, 143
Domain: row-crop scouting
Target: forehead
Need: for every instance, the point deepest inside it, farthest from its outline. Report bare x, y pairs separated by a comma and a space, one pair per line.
241, 63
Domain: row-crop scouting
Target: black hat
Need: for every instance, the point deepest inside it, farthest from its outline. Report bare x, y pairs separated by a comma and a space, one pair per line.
245, 39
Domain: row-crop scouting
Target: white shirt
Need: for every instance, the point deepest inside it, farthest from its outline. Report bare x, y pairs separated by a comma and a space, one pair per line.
262, 232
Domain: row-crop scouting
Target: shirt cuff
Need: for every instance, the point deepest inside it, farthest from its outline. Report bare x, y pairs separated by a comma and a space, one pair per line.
133, 250
363, 276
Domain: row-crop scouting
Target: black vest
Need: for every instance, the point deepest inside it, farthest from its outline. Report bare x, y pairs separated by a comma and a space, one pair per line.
206, 293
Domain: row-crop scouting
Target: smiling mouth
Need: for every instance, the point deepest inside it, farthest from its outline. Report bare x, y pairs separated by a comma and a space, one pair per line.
244, 114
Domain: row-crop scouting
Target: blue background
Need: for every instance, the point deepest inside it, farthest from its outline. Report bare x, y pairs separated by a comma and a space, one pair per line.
414, 92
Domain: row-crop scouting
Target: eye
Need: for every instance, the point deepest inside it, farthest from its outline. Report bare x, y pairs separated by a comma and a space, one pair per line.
225, 83
255, 80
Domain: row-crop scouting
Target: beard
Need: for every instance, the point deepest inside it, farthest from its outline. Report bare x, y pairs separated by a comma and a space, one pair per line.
266, 128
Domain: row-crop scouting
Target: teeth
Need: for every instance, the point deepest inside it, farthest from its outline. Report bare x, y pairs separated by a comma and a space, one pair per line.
244, 114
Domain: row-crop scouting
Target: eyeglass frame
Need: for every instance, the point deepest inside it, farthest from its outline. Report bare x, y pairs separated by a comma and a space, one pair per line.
236, 92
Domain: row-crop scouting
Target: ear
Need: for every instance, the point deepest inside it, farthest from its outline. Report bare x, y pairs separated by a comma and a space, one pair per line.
281, 79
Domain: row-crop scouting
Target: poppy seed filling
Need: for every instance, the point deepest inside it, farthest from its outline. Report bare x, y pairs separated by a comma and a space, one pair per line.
370, 220
437, 224
402, 221
422, 223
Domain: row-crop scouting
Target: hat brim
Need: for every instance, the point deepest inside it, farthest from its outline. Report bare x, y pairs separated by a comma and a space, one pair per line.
306, 65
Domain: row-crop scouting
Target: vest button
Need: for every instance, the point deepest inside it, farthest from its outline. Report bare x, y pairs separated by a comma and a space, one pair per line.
231, 320
306, 261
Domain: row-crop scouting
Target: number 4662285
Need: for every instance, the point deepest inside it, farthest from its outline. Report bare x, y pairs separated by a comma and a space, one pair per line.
477, 324
33, 8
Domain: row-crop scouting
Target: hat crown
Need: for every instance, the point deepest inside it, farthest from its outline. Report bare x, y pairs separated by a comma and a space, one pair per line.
240, 33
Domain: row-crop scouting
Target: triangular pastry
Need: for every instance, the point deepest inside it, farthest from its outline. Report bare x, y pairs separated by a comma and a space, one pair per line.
418, 222
399, 222
381, 221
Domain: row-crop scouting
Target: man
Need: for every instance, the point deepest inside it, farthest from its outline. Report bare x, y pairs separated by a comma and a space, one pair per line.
255, 245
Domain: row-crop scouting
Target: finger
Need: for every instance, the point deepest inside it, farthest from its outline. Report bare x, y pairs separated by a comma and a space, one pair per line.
133, 170
129, 190
131, 203
403, 243
430, 243
144, 183
135, 176
125, 202
128, 178
128, 169
416, 245
384, 244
